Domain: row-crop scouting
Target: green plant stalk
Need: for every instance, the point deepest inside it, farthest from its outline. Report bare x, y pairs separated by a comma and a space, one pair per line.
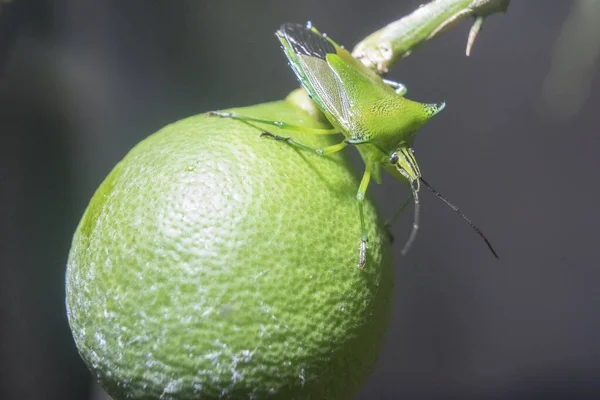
380, 50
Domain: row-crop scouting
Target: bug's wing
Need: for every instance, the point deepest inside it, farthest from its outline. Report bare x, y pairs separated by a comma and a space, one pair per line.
336, 82
306, 51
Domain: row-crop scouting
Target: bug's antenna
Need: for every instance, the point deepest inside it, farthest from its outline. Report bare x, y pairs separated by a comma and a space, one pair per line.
415, 227
463, 216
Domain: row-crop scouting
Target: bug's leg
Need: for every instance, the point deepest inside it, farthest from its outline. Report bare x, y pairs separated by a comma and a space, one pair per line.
360, 196
400, 88
279, 124
322, 151
389, 222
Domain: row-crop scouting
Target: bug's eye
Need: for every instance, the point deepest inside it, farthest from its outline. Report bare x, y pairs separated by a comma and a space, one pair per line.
394, 158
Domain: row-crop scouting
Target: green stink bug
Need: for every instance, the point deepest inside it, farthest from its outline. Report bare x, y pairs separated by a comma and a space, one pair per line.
372, 114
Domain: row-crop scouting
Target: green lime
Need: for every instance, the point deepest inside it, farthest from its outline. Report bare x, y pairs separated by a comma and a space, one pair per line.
213, 263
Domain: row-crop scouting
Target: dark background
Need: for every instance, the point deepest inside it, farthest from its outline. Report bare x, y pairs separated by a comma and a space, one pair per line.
516, 148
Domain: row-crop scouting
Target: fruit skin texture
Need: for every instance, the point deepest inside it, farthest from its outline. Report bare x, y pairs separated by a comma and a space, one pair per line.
213, 263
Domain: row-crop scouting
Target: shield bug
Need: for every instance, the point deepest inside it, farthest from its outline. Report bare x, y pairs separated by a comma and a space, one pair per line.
372, 114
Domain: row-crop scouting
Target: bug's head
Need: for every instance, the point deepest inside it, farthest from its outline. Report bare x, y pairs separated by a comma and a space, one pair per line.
403, 159
405, 162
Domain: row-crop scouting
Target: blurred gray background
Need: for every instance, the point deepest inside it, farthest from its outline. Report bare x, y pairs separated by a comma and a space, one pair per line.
516, 148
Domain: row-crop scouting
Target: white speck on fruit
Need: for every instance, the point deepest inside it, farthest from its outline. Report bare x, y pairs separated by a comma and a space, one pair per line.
213, 357
172, 387
263, 331
100, 339
236, 376
207, 312
261, 273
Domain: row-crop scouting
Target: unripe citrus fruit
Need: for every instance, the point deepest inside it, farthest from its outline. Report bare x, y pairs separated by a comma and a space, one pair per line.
213, 263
